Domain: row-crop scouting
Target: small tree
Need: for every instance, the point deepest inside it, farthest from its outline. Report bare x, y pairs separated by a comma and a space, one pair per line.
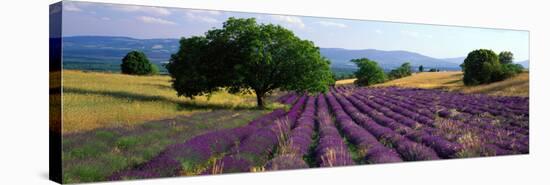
480, 67
400, 72
506, 57
136, 63
509, 70
421, 68
369, 72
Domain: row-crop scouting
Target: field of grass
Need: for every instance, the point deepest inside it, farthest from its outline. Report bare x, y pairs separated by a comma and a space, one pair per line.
345, 81
94, 155
113, 122
452, 81
94, 100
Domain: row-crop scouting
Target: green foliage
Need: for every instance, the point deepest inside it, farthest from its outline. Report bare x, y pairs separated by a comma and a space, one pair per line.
154, 69
402, 71
87, 173
509, 70
481, 67
421, 68
136, 63
91, 149
127, 142
369, 72
506, 57
484, 66
246, 57
106, 135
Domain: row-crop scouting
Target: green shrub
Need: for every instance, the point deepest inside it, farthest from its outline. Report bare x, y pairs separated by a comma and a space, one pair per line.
369, 72
403, 71
509, 70
481, 67
136, 63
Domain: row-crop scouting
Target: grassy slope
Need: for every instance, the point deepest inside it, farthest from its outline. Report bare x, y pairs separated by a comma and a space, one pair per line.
95, 155
96, 100
113, 122
515, 86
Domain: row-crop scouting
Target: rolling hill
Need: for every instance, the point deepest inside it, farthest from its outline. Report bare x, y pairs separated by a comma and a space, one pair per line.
452, 81
105, 52
386, 59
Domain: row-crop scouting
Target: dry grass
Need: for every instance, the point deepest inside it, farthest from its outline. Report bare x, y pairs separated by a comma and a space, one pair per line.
96, 100
452, 81
516, 86
345, 81
431, 80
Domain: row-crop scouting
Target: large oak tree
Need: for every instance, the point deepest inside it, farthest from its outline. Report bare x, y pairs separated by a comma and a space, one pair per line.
244, 57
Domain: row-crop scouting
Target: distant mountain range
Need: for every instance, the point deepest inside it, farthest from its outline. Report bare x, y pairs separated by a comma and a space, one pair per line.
109, 49
386, 59
524, 63
104, 48
460, 60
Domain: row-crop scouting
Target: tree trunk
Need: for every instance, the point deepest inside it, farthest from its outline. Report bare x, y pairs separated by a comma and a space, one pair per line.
259, 99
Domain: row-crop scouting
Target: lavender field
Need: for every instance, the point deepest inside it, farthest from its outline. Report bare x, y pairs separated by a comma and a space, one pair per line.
351, 126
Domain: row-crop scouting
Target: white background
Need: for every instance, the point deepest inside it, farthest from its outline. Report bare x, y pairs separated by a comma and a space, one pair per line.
24, 91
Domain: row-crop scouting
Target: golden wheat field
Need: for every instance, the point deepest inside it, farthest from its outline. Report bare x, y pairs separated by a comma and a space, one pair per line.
452, 81
95, 100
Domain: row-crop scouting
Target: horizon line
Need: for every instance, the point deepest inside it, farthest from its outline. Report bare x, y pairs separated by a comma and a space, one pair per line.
137, 38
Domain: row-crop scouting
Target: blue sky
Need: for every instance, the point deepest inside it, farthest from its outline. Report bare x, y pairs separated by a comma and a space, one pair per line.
82, 18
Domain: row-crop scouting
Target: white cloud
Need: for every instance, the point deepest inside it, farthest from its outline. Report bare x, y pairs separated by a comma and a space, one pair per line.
210, 12
71, 7
105, 18
332, 24
378, 31
143, 9
290, 20
154, 20
198, 16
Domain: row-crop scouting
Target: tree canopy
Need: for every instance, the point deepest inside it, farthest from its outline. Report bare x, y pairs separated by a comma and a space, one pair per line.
137, 63
402, 71
506, 57
369, 72
480, 67
244, 57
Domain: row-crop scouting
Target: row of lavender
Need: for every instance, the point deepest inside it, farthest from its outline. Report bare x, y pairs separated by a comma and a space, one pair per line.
383, 125
395, 124
196, 154
496, 132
